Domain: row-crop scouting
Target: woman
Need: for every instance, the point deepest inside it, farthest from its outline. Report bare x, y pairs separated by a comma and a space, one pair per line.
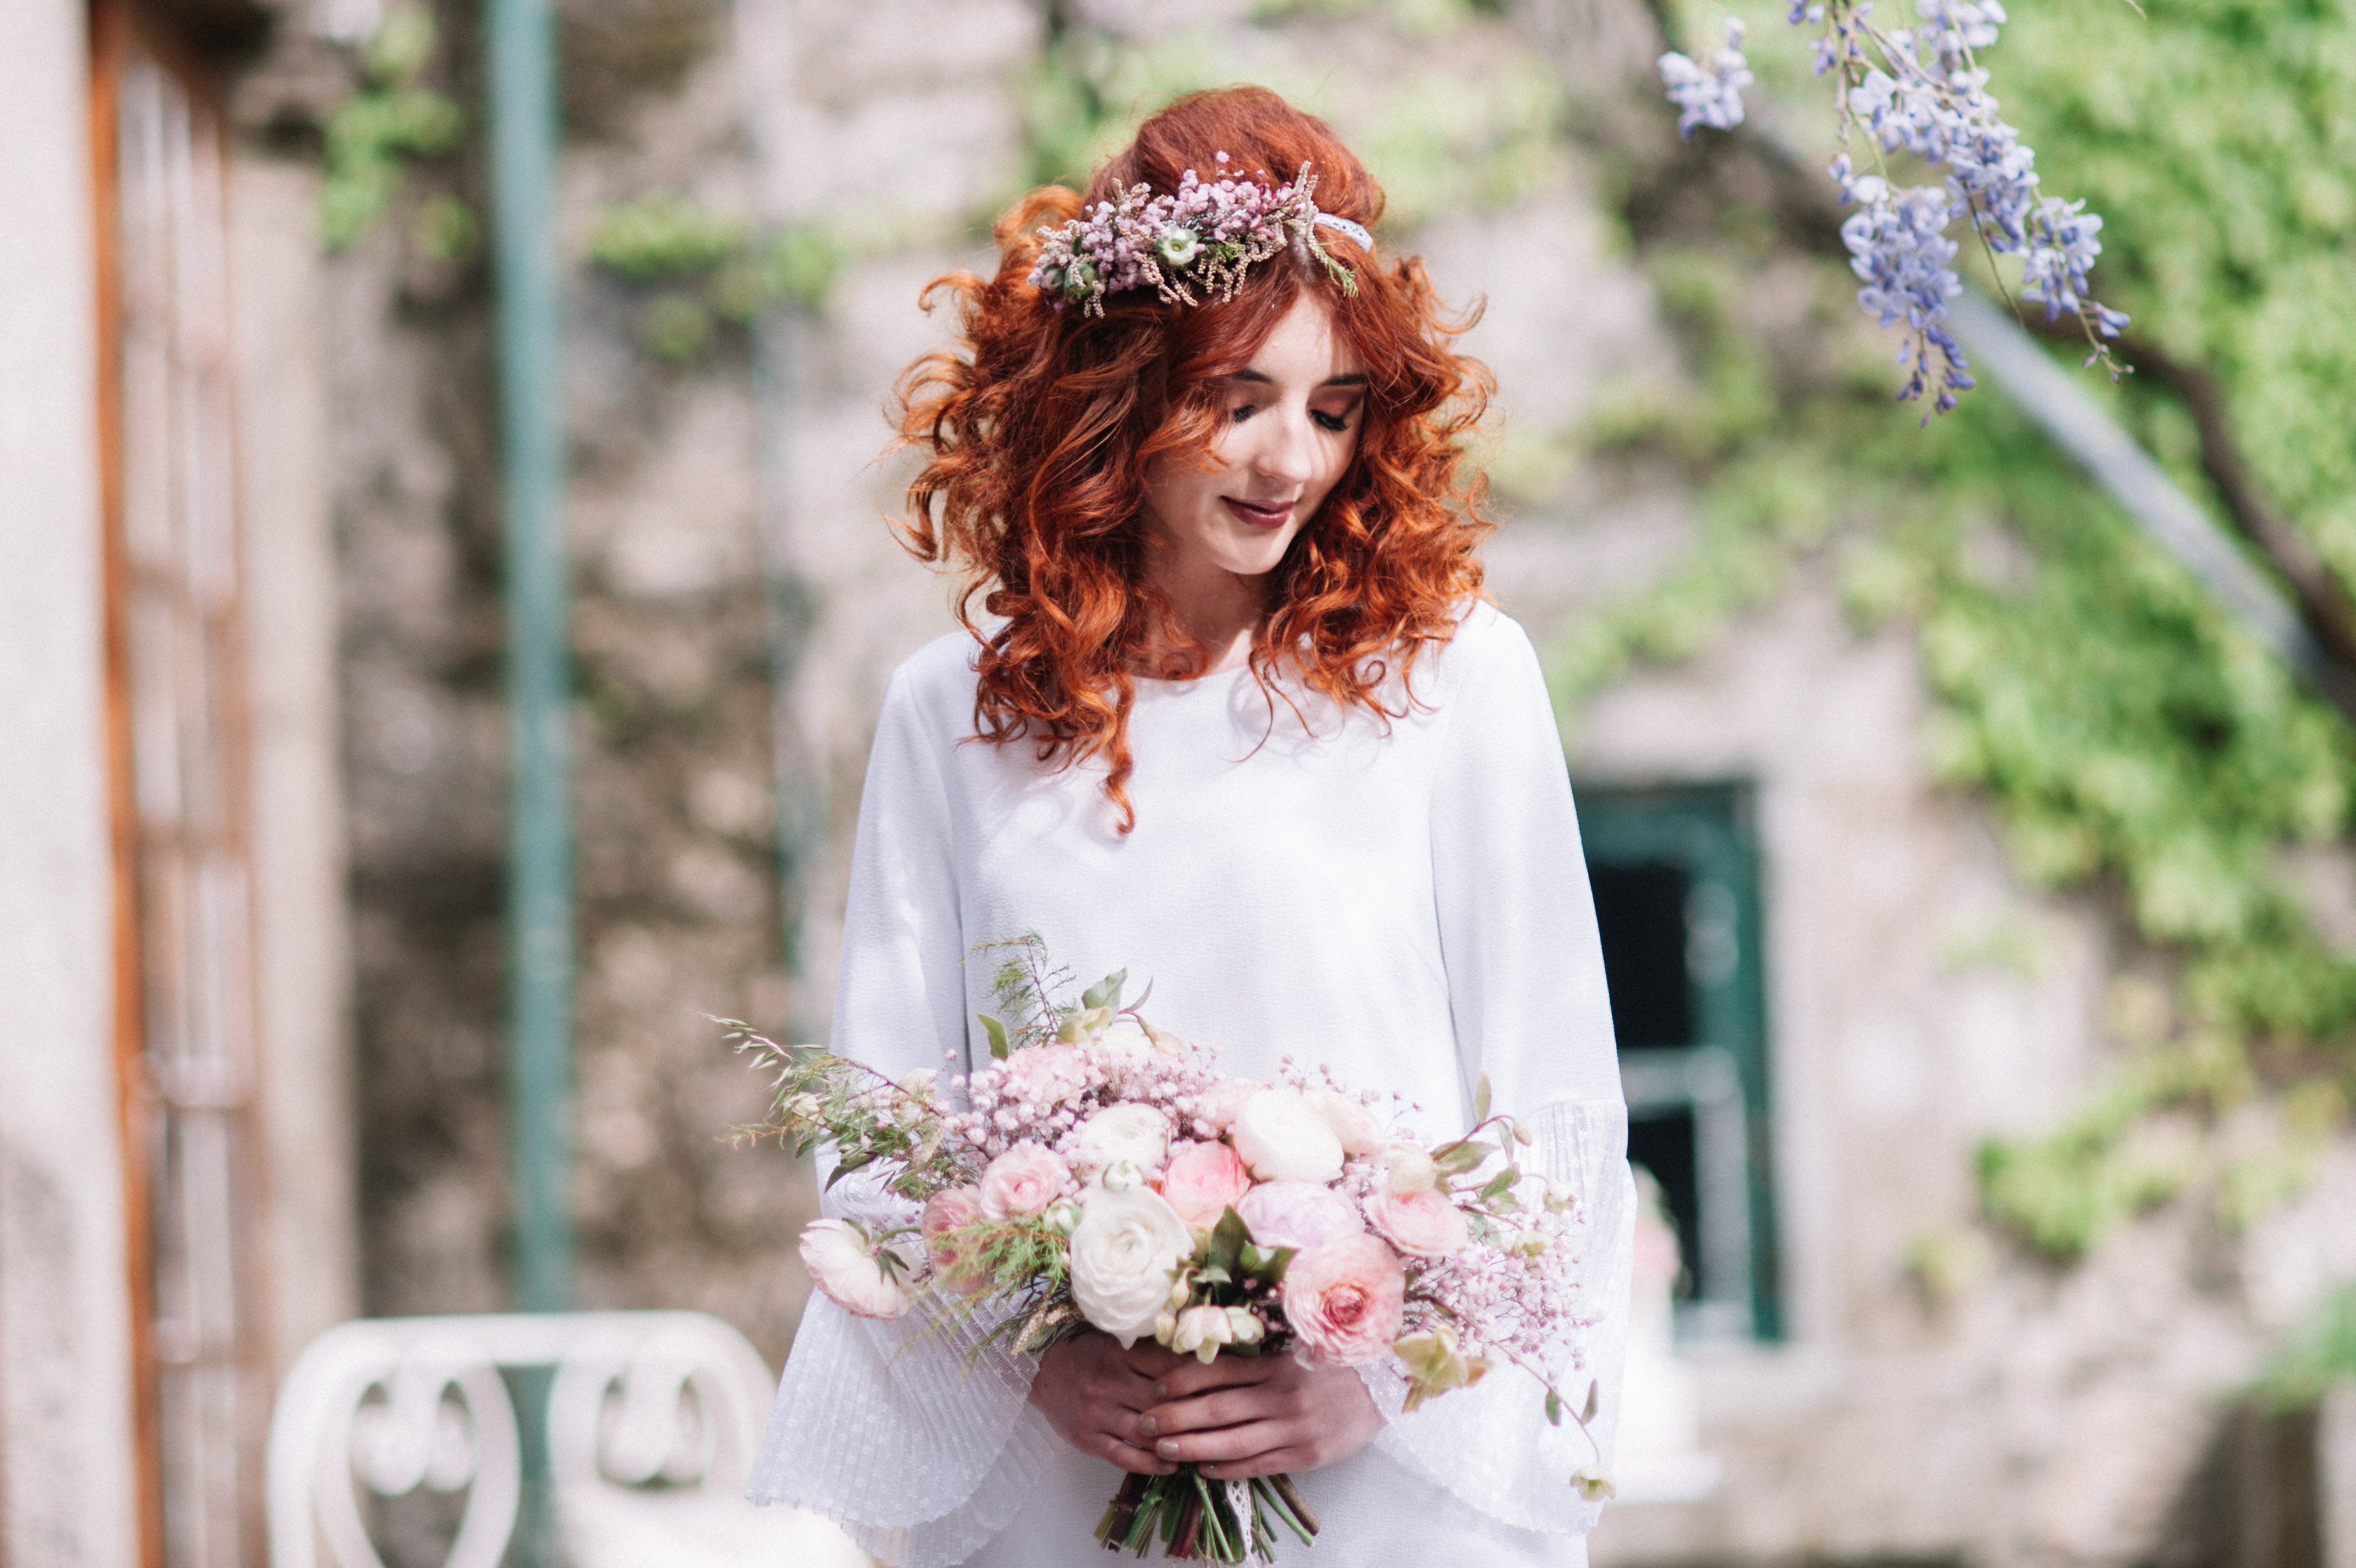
1238, 720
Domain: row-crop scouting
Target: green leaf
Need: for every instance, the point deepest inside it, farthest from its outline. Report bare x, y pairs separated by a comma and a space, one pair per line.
1588, 1415
997, 1033
855, 1163
1502, 1183
1105, 993
1215, 1274
1554, 1407
1460, 1157
1265, 1264
1228, 1239
1481, 1099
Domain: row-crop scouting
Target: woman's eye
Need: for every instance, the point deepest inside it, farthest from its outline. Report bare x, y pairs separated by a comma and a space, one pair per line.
1241, 412
1336, 422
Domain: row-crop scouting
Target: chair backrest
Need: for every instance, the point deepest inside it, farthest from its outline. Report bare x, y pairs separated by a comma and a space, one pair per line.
668, 1400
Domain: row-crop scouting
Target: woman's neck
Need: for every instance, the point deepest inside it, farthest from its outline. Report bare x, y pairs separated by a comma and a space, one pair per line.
1211, 608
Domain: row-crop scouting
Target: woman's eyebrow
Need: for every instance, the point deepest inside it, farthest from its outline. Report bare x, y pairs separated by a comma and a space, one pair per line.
1349, 378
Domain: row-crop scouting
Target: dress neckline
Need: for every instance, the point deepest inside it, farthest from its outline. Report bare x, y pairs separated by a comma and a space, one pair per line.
1191, 682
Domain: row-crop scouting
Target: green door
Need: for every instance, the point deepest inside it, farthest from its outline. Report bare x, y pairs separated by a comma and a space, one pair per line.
1677, 879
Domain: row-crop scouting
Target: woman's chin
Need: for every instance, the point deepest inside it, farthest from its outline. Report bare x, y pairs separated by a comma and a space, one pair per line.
1256, 556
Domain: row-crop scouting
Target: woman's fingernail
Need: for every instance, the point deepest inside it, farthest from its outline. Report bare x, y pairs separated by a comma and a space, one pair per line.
1167, 1448
1148, 1425
1161, 1390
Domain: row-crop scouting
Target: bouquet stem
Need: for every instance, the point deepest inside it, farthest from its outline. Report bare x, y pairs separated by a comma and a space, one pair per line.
1200, 1520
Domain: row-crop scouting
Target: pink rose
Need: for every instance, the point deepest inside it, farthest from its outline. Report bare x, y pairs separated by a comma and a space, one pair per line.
851, 1270
953, 1209
1345, 1300
1424, 1223
1202, 1181
1025, 1180
1298, 1214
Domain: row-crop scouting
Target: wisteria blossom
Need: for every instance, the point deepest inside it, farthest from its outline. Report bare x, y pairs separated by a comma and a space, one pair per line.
1708, 95
1920, 90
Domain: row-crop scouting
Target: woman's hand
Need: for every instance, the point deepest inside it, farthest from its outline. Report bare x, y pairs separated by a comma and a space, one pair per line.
1239, 1416
1093, 1393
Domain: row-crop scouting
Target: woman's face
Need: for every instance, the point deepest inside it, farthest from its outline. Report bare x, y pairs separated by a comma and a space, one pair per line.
1292, 428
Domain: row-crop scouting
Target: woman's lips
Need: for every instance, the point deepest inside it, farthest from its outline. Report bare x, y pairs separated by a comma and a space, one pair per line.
1260, 516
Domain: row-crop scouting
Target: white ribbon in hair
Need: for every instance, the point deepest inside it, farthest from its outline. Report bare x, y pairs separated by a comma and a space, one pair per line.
1345, 228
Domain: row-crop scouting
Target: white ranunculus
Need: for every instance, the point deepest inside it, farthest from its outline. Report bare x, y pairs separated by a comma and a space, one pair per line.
846, 1266
1351, 1122
1138, 1133
1125, 1251
1200, 1331
1411, 1170
1283, 1137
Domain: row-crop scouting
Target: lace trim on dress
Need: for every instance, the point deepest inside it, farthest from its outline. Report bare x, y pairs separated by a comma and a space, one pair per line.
1490, 1446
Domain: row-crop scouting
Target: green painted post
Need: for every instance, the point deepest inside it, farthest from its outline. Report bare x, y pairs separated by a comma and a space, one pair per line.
540, 942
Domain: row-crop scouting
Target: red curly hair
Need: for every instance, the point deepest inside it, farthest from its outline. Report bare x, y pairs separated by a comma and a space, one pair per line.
1041, 424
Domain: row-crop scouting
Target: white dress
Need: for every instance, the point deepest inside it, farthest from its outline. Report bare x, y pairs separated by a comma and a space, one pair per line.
1403, 901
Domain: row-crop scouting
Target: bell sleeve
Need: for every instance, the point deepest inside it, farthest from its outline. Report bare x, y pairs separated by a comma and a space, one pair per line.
909, 1433
1526, 993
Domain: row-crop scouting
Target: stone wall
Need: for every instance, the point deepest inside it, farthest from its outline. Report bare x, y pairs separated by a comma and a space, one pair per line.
679, 905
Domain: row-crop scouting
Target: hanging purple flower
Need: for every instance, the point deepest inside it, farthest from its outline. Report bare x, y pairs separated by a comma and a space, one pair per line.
1920, 90
1708, 95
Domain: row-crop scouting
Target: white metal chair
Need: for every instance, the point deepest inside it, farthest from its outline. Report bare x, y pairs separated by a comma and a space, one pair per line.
652, 1418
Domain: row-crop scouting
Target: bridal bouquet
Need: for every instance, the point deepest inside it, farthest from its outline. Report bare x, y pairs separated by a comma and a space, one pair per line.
1101, 1173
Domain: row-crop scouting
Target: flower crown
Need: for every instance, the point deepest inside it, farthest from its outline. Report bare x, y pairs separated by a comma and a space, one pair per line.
1203, 237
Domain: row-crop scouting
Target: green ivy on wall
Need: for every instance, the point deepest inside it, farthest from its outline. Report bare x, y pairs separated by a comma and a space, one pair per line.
701, 271
1437, 135
2121, 728
372, 137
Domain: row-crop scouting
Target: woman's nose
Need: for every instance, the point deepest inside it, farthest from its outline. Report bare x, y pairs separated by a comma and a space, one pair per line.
1288, 450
